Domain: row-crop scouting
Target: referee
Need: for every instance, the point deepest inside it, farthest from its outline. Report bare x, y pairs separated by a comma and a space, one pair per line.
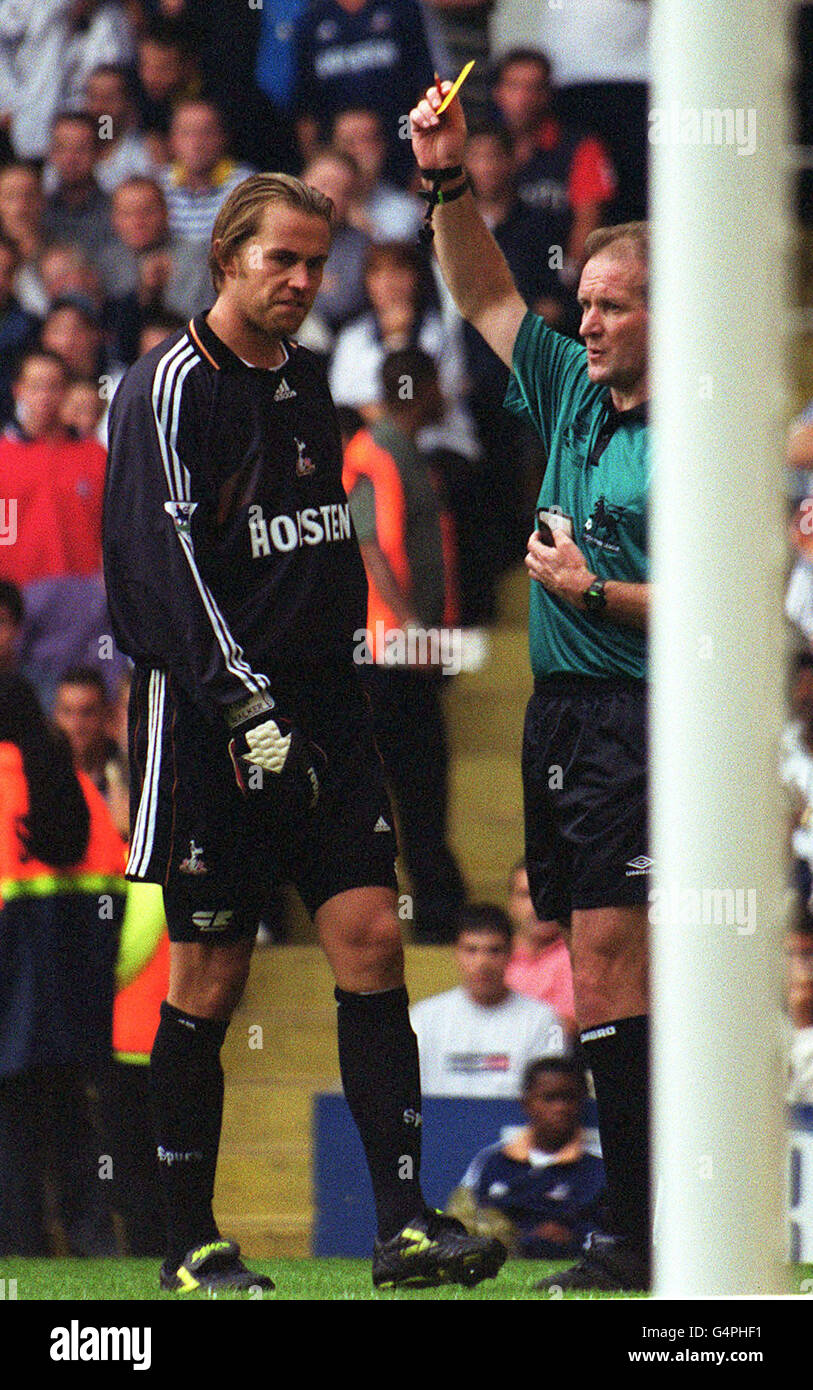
584, 749
236, 585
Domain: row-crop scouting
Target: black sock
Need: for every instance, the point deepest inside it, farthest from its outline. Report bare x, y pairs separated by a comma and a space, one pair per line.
617, 1053
378, 1057
186, 1098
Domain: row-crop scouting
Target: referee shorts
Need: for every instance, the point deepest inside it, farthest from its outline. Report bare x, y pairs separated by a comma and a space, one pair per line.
217, 852
584, 772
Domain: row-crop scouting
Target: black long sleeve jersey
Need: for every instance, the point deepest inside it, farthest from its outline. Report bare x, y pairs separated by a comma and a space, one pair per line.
229, 553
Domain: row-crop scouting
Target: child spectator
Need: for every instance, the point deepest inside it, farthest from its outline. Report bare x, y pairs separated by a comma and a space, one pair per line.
541, 1191
540, 962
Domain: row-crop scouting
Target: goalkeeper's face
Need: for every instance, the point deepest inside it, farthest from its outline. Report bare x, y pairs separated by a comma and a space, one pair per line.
274, 276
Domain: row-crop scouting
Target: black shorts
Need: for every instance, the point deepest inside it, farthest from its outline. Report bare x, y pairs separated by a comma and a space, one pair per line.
217, 852
584, 772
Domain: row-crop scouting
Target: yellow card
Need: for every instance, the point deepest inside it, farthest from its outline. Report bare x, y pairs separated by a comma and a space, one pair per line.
455, 88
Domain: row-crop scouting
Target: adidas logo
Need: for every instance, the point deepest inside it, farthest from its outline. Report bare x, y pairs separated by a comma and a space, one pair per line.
284, 392
380, 825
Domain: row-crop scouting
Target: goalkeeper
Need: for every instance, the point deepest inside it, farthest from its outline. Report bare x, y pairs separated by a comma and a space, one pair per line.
237, 587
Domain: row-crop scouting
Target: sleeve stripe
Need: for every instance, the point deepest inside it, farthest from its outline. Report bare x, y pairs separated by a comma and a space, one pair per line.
170, 375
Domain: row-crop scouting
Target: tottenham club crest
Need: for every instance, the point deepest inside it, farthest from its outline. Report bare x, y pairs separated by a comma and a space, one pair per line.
304, 465
194, 863
181, 513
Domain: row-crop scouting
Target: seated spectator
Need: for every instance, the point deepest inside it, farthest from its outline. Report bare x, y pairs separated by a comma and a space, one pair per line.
351, 54
168, 74
11, 622
147, 270
33, 40
401, 314
17, 328
65, 271
83, 408
200, 176
124, 151
100, 32
796, 771
56, 483
561, 170
77, 210
379, 208
341, 294
82, 711
540, 962
799, 954
397, 518
155, 328
477, 1039
21, 207
58, 852
541, 1191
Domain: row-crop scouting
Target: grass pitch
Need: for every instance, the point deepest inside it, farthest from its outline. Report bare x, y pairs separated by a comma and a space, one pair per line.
300, 1280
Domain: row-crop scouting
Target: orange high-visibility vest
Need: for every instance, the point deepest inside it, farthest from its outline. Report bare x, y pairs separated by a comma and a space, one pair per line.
136, 1012
101, 870
363, 458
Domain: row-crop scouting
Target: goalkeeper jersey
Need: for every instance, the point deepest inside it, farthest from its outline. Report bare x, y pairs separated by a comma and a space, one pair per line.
229, 553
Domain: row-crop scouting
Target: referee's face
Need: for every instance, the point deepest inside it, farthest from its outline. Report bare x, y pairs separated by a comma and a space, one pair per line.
274, 277
612, 299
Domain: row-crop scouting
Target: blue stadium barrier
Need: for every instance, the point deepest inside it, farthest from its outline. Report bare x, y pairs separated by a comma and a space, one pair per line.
453, 1132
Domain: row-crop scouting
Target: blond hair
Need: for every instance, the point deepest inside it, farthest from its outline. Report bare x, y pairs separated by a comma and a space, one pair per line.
239, 218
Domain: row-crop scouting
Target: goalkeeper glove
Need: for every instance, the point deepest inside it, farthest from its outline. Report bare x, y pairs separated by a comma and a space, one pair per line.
272, 759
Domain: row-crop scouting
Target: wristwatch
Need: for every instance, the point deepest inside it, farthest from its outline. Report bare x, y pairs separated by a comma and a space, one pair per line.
595, 599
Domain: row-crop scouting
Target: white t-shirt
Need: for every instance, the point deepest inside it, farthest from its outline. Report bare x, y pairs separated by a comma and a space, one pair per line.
467, 1049
796, 772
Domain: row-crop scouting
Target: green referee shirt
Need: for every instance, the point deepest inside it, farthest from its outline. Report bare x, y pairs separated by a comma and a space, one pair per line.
598, 475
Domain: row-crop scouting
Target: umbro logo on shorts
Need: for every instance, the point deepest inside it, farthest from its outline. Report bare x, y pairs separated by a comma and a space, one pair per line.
640, 865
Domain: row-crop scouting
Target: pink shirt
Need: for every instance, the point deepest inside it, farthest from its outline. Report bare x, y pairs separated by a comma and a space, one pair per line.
546, 976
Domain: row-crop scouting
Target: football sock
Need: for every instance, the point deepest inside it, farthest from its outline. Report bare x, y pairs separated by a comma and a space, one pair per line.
186, 1098
617, 1053
378, 1058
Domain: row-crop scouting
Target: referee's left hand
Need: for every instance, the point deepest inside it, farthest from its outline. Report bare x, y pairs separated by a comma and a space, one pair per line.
560, 568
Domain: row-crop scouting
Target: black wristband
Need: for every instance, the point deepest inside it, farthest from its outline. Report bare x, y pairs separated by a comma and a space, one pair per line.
435, 197
453, 171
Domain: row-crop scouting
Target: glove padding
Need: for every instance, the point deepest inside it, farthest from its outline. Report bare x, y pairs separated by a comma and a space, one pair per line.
272, 759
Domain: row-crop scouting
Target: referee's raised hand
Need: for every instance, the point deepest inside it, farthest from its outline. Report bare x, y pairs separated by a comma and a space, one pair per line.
438, 142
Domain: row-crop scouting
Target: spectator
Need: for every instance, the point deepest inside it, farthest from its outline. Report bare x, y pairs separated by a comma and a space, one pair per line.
397, 518
796, 771
379, 209
168, 73
68, 270
148, 271
100, 33
83, 408
600, 55
477, 1039
200, 176
155, 328
33, 39
77, 210
561, 170
56, 996
799, 952
540, 962
82, 712
398, 289
17, 328
125, 152
21, 208
359, 53
341, 295
56, 486
11, 621
541, 1191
